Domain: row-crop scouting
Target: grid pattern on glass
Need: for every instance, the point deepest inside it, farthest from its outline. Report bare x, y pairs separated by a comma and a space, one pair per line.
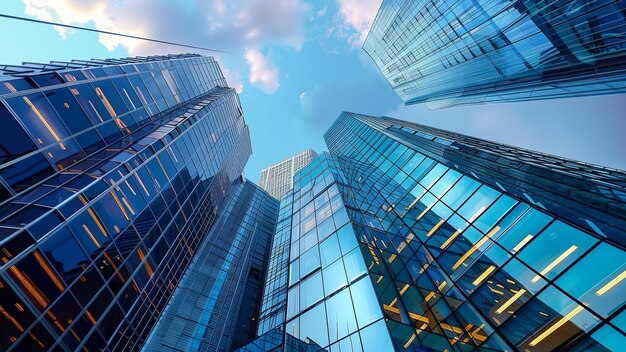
470, 52
459, 264
92, 253
219, 298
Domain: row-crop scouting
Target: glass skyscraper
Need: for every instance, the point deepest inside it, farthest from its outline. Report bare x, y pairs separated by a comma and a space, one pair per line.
410, 238
217, 310
481, 51
113, 177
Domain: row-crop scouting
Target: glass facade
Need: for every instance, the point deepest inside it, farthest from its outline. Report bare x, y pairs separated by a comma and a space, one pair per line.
112, 175
216, 305
410, 238
482, 51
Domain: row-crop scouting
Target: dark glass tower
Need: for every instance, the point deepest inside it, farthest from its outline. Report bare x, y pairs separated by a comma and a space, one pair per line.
113, 175
217, 304
483, 51
411, 238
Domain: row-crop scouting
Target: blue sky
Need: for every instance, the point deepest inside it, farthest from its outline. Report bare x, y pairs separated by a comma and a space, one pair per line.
297, 65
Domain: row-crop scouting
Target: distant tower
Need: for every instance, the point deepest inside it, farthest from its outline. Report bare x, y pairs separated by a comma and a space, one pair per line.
277, 178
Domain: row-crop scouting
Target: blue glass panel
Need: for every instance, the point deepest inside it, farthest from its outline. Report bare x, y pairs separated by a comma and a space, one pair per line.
341, 319
366, 306
376, 338
313, 325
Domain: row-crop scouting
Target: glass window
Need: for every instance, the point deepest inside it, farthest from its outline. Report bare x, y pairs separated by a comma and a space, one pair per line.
307, 241
313, 325
445, 183
351, 343
376, 338
27, 172
39, 117
341, 320
366, 304
311, 291
603, 287
14, 141
69, 110
65, 253
355, 266
347, 239
329, 250
478, 203
15, 315
334, 277
460, 192
524, 229
495, 212
294, 272
325, 229
309, 261
293, 302
340, 217
554, 249
110, 98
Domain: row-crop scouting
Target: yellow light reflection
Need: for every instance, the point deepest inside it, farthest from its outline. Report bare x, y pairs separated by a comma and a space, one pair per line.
510, 301
616, 280
105, 101
484, 275
44, 122
145, 264
49, 272
521, 244
475, 247
556, 325
554, 263
430, 233
449, 240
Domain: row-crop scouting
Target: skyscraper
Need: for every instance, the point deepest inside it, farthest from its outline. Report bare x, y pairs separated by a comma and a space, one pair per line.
113, 176
277, 179
216, 305
467, 52
407, 237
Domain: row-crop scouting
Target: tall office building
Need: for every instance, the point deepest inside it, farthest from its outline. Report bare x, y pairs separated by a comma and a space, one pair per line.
482, 51
277, 179
217, 304
411, 238
113, 176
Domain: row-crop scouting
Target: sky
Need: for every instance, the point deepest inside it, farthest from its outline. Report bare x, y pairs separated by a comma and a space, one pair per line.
297, 65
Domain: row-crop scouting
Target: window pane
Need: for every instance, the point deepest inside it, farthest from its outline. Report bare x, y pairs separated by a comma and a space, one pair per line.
334, 278
14, 141
311, 291
555, 248
376, 338
597, 279
313, 325
341, 320
366, 304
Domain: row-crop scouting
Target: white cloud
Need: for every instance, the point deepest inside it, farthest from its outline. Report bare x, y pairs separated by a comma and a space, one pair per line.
357, 17
234, 25
263, 73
